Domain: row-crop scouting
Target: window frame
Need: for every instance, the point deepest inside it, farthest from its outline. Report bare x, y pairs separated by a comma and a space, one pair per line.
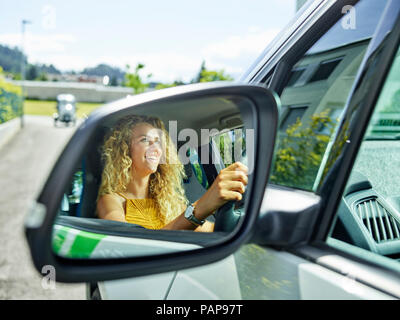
291, 55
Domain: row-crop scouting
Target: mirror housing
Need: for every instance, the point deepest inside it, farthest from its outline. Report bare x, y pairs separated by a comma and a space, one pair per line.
41, 218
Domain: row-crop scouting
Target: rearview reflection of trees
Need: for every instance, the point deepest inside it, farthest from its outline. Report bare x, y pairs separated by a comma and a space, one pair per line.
300, 150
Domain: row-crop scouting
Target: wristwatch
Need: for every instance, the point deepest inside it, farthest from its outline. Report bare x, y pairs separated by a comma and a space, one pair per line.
190, 216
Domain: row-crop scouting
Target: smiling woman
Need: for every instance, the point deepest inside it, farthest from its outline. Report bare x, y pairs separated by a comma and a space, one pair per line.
131, 179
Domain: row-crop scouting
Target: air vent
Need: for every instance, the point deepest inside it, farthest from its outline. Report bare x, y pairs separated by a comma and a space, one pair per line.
378, 221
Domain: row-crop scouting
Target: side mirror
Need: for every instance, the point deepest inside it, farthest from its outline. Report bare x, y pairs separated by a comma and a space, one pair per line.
205, 128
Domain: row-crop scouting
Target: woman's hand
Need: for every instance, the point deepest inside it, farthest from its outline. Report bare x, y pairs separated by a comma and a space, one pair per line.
229, 185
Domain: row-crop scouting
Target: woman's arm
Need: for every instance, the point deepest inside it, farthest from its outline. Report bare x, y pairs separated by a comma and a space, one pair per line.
206, 227
110, 208
229, 185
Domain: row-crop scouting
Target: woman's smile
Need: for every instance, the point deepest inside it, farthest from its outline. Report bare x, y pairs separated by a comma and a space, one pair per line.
152, 157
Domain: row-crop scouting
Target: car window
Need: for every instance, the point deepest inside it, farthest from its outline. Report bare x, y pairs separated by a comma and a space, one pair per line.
197, 168
315, 95
231, 146
368, 217
72, 195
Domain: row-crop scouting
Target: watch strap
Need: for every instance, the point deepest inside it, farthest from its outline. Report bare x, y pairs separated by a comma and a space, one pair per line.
191, 217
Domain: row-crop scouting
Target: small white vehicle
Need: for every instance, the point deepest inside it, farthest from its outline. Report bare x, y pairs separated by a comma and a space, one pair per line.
66, 109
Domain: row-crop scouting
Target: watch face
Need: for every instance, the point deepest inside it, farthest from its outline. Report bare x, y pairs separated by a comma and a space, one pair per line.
189, 212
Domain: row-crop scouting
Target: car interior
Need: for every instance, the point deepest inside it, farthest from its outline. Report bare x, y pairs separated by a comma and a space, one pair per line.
78, 208
368, 220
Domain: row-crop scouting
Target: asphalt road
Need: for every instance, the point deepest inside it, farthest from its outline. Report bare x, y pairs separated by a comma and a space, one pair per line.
25, 162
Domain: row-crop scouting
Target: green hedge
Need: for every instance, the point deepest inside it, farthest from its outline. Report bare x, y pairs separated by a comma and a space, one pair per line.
11, 100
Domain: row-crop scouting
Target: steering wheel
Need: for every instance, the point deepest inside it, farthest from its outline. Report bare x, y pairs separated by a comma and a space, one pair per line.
227, 217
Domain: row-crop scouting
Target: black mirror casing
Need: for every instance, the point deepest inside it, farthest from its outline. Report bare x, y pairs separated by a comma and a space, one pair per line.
40, 219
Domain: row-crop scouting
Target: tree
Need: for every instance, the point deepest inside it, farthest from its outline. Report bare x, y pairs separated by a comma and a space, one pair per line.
134, 80
11, 58
205, 75
198, 77
32, 72
42, 77
114, 81
211, 75
300, 151
169, 85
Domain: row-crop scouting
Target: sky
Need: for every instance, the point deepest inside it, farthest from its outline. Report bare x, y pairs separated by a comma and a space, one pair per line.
171, 38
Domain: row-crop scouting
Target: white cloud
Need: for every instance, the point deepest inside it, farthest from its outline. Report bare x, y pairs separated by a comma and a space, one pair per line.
235, 46
165, 66
39, 43
62, 61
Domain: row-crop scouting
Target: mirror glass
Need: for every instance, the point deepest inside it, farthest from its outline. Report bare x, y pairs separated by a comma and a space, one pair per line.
147, 167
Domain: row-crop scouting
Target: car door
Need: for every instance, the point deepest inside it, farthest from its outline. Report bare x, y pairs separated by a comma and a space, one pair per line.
328, 95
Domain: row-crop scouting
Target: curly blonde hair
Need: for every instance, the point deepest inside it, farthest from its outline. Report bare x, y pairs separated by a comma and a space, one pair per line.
165, 185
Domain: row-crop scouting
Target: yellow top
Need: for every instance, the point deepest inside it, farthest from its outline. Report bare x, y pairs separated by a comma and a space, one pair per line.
143, 212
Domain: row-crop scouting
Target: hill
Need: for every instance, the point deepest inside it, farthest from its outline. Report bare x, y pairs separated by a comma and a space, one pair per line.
11, 58
10, 61
101, 70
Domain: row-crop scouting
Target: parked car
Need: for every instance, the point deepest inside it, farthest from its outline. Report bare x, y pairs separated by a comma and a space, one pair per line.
321, 217
66, 109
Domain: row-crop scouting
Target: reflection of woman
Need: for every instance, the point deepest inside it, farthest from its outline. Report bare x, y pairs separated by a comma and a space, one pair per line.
142, 180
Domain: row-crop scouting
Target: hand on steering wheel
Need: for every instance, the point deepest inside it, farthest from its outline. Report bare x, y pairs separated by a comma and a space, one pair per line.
227, 188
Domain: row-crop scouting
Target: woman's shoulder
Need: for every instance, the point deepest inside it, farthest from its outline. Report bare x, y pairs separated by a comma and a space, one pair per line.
111, 198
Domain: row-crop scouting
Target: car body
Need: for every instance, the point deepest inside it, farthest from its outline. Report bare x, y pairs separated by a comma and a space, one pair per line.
335, 78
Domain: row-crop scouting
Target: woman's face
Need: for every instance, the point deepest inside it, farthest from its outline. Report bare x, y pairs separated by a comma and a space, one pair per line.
146, 149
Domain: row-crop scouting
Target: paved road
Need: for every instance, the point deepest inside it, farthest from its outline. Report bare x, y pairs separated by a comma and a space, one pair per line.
24, 164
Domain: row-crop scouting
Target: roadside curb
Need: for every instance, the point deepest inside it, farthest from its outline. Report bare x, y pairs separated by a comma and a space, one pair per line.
8, 130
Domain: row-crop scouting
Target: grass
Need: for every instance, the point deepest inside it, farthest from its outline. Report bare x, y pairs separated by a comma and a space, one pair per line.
47, 108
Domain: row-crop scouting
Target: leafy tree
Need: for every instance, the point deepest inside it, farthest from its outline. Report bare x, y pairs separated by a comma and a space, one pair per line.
10, 99
169, 85
300, 151
134, 80
205, 75
211, 75
11, 58
42, 77
114, 81
32, 72
198, 77
43, 68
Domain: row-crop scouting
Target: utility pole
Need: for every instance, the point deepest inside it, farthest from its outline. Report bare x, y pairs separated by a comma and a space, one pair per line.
23, 23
